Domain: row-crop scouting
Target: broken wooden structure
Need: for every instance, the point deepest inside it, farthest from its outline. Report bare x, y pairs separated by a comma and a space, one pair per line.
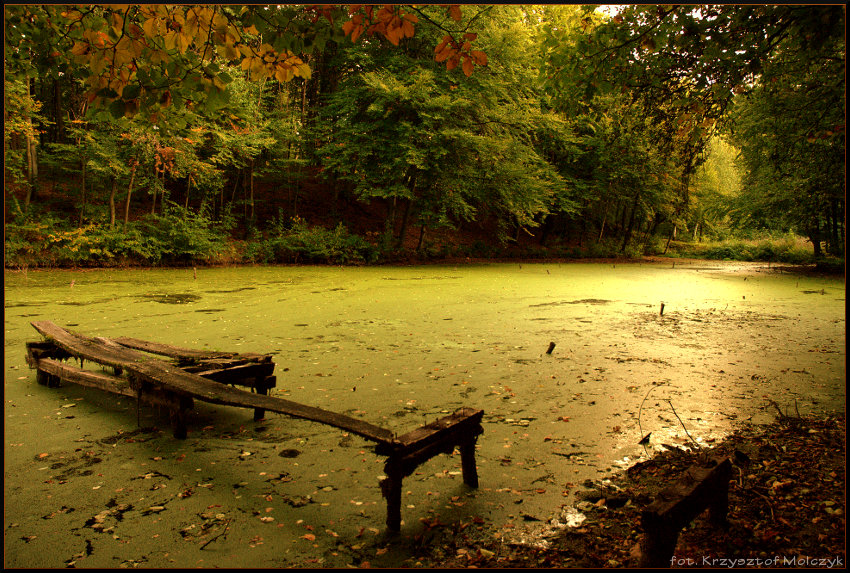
173, 377
703, 485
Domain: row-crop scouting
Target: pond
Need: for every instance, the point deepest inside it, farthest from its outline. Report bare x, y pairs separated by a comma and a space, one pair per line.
90, 481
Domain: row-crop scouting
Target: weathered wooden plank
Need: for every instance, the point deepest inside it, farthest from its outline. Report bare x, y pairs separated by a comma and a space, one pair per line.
101, 381
460, 421
161, 373
244, 374
187, 353
114, 384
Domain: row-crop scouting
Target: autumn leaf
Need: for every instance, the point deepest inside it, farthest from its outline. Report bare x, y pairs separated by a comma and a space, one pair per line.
479, 57
468, 65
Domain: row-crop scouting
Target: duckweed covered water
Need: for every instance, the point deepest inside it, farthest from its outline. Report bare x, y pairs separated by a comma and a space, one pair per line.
398, 347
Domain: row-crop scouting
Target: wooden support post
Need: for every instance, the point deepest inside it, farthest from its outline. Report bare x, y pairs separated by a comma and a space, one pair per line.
408, 452
46, 379
178, 423
391, 490
467, 462
262, 386
701, 487
178, 416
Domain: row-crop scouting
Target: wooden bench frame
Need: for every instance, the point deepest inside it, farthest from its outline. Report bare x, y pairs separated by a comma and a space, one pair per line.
206, 376
703, 486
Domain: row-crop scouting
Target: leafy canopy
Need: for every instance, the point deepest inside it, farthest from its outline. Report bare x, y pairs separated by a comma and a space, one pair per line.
145, 57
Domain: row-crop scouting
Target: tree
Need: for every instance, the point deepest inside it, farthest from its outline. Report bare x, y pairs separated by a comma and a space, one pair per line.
440, 148
683, 66
790, 130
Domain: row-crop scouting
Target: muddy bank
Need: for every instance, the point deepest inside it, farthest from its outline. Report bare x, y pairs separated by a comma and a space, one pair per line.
97, 482
787, 508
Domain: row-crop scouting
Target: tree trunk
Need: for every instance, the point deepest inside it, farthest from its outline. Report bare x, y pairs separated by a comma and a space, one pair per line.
251, 187
670, 238
235, 186
389, 223
815, 238
408, 208
604, 219
32, 162
83, 195
58, 116
129, 194
404, 223
155, 180
628, 234
188, 188
421, 238
112, 202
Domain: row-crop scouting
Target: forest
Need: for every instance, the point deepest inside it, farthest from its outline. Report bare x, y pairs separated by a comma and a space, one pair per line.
352, 134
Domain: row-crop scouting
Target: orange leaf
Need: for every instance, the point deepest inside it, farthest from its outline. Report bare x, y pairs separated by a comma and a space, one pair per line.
468, 65
479, 57
455, 13
309, 537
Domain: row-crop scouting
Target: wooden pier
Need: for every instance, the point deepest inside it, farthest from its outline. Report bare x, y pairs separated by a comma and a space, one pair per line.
173, 377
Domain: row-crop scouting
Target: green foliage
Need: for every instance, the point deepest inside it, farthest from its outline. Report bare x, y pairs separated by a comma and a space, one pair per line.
591, 129
301, 243
776, 249
175, 237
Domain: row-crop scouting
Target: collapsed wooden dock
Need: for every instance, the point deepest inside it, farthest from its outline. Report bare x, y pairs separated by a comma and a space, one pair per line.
174, 377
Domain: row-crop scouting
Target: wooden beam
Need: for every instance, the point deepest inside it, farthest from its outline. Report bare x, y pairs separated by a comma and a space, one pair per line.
186, 353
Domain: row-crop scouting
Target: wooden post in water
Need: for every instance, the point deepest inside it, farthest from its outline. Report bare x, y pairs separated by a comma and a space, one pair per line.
467, 462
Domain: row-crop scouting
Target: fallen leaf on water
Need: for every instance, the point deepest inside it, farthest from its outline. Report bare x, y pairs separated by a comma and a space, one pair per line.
308, 537
381, 550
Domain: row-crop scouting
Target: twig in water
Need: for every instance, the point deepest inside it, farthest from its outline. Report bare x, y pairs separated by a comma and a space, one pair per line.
681, 422
640, 409
226, 526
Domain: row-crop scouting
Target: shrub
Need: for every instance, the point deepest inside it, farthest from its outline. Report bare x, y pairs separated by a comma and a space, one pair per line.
184, 236
302, 243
